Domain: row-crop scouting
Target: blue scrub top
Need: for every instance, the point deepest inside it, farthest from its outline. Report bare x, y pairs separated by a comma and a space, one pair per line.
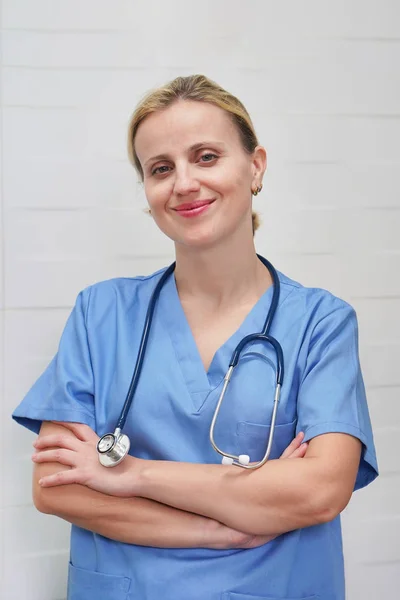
323, 392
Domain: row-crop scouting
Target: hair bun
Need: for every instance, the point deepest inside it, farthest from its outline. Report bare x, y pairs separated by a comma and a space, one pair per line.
255, 221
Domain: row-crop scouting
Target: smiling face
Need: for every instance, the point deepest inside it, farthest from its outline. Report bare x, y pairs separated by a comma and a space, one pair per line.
197, 175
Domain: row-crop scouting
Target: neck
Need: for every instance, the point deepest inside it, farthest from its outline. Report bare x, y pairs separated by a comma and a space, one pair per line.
222, 275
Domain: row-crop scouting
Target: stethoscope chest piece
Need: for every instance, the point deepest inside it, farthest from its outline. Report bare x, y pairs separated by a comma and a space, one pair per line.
112, 448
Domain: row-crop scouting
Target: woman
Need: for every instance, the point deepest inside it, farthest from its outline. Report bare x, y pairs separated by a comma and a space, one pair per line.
170, 521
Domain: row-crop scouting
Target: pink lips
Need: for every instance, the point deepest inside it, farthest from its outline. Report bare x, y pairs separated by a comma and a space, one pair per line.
192, 209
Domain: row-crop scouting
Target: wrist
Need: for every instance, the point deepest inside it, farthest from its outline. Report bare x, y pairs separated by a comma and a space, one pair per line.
221, 537
213, 534
144, 475
130, 470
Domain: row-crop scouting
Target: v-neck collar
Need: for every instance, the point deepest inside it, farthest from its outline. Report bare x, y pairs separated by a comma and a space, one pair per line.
199, 382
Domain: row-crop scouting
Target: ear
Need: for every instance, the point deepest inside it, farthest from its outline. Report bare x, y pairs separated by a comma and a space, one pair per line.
258, 164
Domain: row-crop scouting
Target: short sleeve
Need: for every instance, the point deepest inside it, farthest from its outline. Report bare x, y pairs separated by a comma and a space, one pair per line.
332, 395
65, 390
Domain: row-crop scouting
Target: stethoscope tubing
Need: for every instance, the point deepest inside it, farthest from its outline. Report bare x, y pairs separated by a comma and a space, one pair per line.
241, 461
149, 318
113, 447
261, 337
142, 347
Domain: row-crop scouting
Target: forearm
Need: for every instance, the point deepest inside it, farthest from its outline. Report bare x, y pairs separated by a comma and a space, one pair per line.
268, 505
94, 497
131, 520
281, 496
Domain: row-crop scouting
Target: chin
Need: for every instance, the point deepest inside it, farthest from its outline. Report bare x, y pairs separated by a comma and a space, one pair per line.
198, 242
201, 239
209, 233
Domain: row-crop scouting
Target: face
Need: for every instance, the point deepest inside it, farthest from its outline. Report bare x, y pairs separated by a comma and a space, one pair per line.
197, 176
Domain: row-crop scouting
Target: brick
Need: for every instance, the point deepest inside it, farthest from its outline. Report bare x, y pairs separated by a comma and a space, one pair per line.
379, 364
330, 138
68, 276
22, 525
342, 19
384, 405
64, 133
374, 540
112, 89
378, 319
373, 581
45, 574
347, 276
340, 184
385, 440
68, 14
380, 498
68, 183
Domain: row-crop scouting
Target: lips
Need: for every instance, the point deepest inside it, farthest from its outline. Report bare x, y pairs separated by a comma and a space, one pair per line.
187, 206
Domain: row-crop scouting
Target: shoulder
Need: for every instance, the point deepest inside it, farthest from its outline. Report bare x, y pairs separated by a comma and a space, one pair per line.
125, 284
313, 304
316, 317
117, 293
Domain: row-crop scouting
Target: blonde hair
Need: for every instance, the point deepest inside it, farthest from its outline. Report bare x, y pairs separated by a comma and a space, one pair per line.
200, 89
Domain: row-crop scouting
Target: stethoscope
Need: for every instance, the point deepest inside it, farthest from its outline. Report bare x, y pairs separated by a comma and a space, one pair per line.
113, 447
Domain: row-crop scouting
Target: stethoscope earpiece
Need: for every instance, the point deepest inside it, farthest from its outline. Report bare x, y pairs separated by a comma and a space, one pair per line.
240, 461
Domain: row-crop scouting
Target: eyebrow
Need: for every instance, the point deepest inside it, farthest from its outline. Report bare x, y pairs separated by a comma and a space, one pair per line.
192, 148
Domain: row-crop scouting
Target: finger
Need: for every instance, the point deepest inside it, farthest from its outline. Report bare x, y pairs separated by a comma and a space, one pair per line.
258, 540
82, 432
59, 455
57, 440
293, 445
299, 452
61, 478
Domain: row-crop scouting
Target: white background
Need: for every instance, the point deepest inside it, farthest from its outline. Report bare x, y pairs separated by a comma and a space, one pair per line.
321, 80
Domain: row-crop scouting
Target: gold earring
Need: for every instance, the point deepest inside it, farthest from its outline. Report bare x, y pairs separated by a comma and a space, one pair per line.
257, 190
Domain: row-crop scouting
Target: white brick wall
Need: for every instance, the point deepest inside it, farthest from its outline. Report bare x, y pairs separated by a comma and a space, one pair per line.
322, 82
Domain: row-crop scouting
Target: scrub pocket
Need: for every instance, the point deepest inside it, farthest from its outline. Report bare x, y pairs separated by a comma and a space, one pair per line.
235, 596
253, 439
90, 585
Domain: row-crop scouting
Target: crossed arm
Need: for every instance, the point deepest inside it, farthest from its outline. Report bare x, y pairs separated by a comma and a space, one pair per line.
169, 504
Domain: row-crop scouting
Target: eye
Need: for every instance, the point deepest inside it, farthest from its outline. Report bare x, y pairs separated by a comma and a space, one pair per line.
160, 170
208, 156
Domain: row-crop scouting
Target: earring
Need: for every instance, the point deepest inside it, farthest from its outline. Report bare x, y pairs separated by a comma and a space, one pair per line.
257, 190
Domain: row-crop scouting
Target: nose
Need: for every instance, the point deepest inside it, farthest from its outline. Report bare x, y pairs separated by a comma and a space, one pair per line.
185, 182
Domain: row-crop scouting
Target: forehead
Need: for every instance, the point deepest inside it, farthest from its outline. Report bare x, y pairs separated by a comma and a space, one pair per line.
182, 125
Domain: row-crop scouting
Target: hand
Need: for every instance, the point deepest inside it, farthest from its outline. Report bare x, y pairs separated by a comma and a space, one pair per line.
79, 453
296, 448
237, 539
